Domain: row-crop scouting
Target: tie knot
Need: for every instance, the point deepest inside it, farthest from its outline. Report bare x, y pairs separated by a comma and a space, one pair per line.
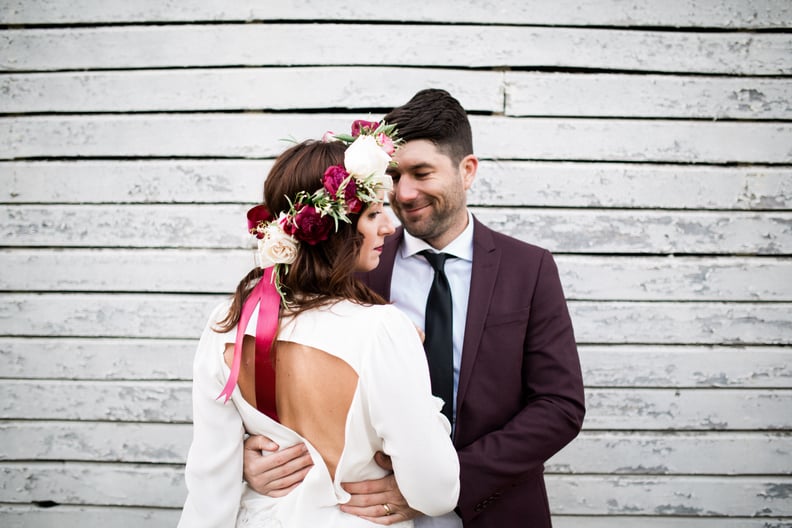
437, 260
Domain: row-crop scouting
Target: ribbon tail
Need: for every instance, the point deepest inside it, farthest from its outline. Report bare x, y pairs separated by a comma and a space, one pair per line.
244, 318
266, 330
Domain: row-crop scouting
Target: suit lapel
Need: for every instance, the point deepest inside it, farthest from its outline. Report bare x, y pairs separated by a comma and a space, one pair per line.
486, 260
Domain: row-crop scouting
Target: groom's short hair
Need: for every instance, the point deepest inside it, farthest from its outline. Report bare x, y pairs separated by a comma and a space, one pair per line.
434, 115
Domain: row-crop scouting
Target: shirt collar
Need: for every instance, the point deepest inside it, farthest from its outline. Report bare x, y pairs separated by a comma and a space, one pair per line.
461, 247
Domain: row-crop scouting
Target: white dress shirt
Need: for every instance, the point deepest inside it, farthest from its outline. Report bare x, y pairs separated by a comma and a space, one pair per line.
410, 283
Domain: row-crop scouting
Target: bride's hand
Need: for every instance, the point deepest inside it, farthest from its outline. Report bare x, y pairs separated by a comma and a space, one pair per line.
378, 501
274, 474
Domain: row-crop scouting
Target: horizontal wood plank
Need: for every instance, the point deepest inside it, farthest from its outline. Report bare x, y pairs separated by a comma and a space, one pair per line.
275, 44
603, 366
503, 183
561, 230
101, 484
64, 516
114, 315
677, 453
23, 516
677, 13
616, 409
681, 323
179, 316
584, 277
670, 496
662, 521
526, 93
253, 89
93, 484
611, 95
674, 278
98, 359
593, 452
87, 441
131, 401
645, 521
688, 409
685, 366
256, 135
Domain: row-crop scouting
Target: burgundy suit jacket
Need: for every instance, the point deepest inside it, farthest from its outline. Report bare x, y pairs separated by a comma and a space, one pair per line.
520, 394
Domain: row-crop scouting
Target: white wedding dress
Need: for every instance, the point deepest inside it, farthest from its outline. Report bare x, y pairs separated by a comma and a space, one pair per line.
393, 411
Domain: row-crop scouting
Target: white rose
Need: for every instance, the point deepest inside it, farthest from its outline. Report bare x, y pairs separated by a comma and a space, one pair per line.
364, 158
276, 247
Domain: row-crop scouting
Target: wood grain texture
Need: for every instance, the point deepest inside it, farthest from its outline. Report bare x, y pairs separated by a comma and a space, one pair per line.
499, 183
686, 366
681, 323
688, 409
672, 496
182, 316
607, 409
675, 453
97, 359
677, 13
560, 231
274, 44
31, 516
24, 516
627, 521
593, 452
250, 89
603, 365
257, 135
584, 277
581, 495
102, 441
647, 144
608, 95
524, 93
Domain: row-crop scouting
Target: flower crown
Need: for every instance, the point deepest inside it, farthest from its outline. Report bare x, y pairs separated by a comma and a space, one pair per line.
346, 189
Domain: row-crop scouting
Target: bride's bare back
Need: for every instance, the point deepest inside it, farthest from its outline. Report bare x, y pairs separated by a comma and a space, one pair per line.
313, 393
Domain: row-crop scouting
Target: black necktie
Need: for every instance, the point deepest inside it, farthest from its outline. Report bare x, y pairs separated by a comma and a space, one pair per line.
439, 341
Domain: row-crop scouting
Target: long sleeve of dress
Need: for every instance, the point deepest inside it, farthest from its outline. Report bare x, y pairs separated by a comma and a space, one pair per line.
414, 432
214, 463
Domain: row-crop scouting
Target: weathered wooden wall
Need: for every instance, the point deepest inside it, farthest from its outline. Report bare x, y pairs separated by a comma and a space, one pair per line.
647, 144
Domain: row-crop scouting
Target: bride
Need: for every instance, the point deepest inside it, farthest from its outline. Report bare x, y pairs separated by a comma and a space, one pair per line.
307, 354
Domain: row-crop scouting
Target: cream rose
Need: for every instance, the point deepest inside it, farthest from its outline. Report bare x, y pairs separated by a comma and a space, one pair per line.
276, 247
365, 158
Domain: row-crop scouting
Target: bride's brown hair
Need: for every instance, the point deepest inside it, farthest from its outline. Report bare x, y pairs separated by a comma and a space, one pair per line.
321, 273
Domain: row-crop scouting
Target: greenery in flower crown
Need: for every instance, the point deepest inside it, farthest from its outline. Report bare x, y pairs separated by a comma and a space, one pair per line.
346, 189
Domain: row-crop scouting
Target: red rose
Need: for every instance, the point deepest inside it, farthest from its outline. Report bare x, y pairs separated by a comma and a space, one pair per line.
333, 177
311, 226
257, 217
353, 204
362, 125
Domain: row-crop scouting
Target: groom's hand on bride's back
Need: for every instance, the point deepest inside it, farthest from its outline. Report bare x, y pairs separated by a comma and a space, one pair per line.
275, 473
369, 496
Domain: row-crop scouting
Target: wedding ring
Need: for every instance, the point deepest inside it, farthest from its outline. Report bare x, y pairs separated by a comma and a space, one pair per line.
388, 511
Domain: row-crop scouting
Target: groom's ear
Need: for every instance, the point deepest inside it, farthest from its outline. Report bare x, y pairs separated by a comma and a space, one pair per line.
467, 168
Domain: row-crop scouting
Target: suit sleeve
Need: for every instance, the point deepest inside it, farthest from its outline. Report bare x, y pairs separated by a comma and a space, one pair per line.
214, 464
552, 392
407, 418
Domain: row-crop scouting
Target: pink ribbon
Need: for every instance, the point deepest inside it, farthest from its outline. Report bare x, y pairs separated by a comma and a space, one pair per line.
266, 296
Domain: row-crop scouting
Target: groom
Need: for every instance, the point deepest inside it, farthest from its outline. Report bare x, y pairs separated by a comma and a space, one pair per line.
517, 387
